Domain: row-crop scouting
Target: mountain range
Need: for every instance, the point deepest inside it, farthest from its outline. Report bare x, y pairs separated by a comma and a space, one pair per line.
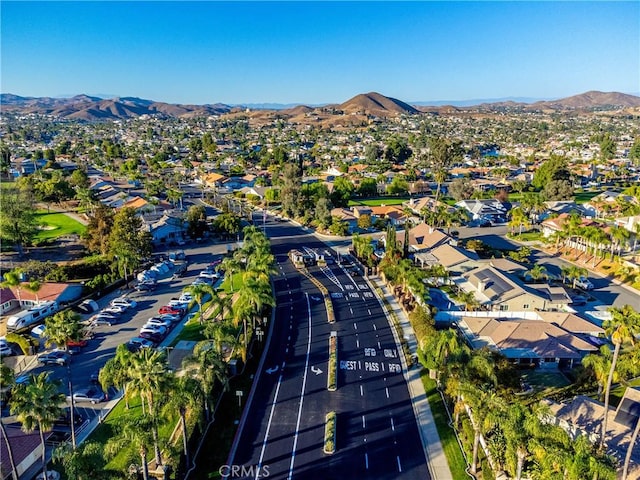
93, 108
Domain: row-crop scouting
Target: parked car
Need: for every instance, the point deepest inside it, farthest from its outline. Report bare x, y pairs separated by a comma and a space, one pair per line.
159, 321
76, 346
124, 302
115, 310
202, 281
5, 349
55, 357
38, 331
111, 315
168, 316
171, 310
91, 394
145, 287
101, 319
584, 283
136, 343
153, 337
88, 306
159, 329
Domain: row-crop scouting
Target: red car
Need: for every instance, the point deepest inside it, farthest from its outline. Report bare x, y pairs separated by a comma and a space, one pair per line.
77, 343
171, 310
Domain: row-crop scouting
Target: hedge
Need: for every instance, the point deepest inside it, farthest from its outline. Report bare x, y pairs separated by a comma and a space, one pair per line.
330, 433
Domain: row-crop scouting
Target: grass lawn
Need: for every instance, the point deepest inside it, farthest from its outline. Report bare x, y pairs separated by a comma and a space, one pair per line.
542, 379
226, 284
376, 202
452, 451
584, 197
57, 225
528, 236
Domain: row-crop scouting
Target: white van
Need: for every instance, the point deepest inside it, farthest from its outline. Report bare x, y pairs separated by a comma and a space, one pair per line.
28, 317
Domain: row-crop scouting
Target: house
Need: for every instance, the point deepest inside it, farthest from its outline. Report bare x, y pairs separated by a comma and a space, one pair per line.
393, 214
583, 415
422, 238
139, 204
609, 201
346, 215
497, 290
455, 259
559, 207
417, 205
491, 210
525, 341
169, 228
25, 447
359, 211
19, 297
212, 180
258, 192
557, 224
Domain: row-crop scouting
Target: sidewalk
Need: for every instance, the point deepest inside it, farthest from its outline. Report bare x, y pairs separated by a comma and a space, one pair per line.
436, 459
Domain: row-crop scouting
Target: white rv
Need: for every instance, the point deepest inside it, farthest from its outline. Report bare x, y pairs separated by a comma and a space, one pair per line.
33, 315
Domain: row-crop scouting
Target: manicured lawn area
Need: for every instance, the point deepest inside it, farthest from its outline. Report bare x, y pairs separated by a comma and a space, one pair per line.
226, 284
56, 225
528, 236
542, 379
376, 202
584, 197
450, 445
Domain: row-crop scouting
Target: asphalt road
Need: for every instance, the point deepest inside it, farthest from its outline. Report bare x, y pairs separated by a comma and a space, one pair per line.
377, 431
605, 292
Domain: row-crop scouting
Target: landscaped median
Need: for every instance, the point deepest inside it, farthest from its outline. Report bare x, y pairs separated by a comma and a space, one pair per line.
332, 375
330, 433
331, 316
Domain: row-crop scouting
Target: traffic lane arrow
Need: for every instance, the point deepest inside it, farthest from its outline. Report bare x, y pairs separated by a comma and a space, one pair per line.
316, 370
272, 370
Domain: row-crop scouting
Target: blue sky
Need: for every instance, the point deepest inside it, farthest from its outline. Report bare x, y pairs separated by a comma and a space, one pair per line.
308, 52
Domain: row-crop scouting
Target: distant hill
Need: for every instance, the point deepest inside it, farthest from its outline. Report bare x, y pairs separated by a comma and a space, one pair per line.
591, 100
376, 104
84, 107
358, 108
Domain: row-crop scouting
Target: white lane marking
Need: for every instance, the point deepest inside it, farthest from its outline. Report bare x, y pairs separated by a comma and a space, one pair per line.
359, 366
304, 383
374, 327
393, 427
366, 459
387, 392
399, 466
363, 423
286, 350
357, 341
351, 310
368, 310
379, 344
361, 391
355, 326
266, 433
289, 337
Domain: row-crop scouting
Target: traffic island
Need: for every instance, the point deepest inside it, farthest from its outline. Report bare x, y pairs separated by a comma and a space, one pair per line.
330, 433
332, 375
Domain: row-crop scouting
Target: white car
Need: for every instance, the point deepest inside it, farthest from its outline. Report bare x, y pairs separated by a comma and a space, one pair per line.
180, 303
210, 275
124, 302
115, 309
169, 317
157, 329
185, 297
584, 283
159, 321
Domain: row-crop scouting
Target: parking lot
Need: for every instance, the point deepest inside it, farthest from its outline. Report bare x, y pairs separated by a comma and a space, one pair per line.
106, 338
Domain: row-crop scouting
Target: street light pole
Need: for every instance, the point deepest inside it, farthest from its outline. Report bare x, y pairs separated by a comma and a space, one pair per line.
73, 423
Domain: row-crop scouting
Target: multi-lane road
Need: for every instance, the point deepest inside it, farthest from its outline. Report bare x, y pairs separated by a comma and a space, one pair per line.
283, 428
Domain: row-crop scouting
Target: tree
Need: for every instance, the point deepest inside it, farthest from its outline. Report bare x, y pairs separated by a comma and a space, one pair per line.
323, 213
607, 148
342, 191
600, 364
368, 187
364, 221
37, 405
17, 218
290, 191
79, 463
207, 366
461, 189
136, 431
148, 377
12, 280
397, 150
128, 244
398, 186
186, 394
115, 372
554, 168
443, 154
574, 273
196, 218
7, 380
200, 292
623, 327
98, 232
558, 190
62, 327
537, 272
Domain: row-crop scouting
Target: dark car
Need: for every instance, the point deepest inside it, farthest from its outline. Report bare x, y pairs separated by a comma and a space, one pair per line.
56, 357
136, 343
485, 224
145, 287
154, 337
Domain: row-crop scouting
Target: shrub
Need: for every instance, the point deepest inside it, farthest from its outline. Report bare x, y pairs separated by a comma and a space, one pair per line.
330, 433
332, 375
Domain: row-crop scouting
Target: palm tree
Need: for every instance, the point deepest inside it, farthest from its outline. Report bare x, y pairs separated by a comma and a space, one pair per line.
575, 273
200, 292
623, 327
34, 287
221, 334
600, 364
12, 279
115, 372
209, 368
149, 377
537, 272
230, 265
565, 270
224, 304
256, 294
7, 380
186, 394
37, 404
469, 300
136, 431
619, 237
62, 327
